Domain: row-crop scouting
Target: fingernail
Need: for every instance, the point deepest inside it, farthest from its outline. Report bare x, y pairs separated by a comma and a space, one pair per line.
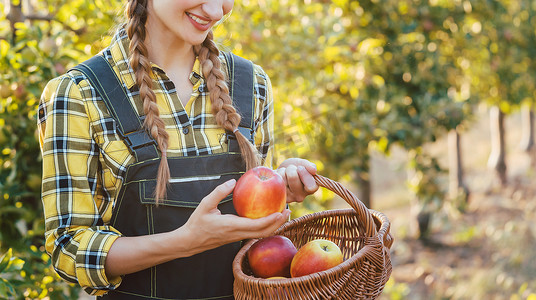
301, 168
230, 182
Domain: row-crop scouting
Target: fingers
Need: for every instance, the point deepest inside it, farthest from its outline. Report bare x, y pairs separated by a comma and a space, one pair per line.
309, 183
234, 228
212, 200
309, 166
298, 174
293, 180
256, 228
293, 183
212, 228
281, 171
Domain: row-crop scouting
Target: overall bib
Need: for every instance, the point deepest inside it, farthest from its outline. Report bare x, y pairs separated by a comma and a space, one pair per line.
206, 275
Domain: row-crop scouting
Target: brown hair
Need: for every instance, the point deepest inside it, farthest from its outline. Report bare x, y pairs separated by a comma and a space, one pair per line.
222, 107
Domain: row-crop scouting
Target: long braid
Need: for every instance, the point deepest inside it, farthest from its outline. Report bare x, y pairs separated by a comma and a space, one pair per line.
137, 17
222, 104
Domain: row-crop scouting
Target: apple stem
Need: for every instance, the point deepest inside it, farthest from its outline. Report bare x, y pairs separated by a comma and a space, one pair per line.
325, 248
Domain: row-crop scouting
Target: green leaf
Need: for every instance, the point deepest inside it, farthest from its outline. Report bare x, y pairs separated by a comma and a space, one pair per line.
3, 289
15, 264
6, 289
4, 262
4, 48
20, 26
9, 263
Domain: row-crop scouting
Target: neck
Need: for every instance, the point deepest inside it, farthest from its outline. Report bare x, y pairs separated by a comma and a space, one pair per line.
168, 52
169, 55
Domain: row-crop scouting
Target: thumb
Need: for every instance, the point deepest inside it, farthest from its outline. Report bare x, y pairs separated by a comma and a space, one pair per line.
212, 200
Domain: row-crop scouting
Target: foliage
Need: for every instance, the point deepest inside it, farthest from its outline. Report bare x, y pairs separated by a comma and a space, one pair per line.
8, 264
354, 76
349, 76
31, 53
395, 291
501, 53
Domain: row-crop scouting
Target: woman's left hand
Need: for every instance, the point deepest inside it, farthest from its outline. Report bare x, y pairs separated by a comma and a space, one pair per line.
298, 175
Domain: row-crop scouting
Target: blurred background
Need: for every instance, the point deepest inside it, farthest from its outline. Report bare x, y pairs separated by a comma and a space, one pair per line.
423, 108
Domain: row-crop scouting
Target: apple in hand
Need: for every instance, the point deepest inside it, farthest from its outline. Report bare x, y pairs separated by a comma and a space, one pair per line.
270, 257
315, 256
260, 192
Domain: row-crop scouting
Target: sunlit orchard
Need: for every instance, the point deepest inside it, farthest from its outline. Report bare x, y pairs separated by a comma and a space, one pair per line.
424, 109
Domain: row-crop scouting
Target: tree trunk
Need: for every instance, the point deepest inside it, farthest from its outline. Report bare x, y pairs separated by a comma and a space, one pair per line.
458, 191
497, 161
14, 15
420, 213
14, 12
420, 217
362, 180
527, 132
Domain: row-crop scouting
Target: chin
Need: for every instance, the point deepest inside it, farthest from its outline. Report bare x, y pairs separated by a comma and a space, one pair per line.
198, 39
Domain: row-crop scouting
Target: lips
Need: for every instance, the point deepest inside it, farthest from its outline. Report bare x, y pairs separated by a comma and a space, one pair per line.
199, 22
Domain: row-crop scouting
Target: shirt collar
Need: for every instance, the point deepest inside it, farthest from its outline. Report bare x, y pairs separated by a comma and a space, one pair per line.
195, 75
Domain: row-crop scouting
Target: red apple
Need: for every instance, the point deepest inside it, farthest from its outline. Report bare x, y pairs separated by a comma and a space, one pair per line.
271, 257
259, 193
315, 256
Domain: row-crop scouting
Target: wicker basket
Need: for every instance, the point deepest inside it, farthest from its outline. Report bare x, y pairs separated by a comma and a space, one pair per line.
363, 237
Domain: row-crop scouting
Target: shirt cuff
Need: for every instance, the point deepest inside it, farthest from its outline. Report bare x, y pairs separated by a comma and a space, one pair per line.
90, 259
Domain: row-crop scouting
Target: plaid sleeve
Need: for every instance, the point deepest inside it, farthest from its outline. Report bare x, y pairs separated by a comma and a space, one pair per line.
76, 238
264, 117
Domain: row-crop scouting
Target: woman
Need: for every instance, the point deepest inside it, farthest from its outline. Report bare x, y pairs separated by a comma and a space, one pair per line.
132, 227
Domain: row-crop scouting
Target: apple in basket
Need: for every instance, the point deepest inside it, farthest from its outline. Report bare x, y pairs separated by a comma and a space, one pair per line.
315, 256
260, 192
270, 257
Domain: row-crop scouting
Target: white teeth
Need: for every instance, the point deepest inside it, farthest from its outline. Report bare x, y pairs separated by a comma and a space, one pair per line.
198, 20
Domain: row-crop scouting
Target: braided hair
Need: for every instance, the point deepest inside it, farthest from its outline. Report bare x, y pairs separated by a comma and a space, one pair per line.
222, 107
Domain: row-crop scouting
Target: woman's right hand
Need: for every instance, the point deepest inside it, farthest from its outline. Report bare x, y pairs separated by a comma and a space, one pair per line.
208, 228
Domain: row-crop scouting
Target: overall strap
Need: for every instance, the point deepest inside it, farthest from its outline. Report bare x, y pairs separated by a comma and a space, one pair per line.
103, 78
241, 89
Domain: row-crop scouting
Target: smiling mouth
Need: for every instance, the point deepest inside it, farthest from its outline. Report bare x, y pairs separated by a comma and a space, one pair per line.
197, 19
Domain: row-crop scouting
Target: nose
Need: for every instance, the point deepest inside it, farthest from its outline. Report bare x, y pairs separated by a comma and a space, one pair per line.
216, 9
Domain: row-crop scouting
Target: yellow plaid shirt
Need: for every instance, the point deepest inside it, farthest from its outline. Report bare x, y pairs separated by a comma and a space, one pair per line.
84, 158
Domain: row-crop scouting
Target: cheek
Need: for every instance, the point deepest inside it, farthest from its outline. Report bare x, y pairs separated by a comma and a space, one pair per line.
227, 6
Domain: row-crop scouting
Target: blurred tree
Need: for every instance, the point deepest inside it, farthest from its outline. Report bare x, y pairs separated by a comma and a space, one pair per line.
458, 190
38, 41
527, 134
504, 51
354, 76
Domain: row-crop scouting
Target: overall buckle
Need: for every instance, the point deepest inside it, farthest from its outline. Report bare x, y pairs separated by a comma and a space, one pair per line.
138, 139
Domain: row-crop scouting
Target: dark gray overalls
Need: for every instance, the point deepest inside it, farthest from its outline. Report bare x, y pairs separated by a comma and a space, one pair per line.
206, 275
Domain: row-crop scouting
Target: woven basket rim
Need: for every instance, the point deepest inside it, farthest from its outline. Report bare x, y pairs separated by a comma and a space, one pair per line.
372, 253
335, 271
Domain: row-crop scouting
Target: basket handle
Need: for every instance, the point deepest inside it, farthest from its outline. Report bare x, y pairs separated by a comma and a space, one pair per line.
351, 199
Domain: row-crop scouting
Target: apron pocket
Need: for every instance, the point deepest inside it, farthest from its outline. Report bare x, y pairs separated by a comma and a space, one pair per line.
186, 192
183, 196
